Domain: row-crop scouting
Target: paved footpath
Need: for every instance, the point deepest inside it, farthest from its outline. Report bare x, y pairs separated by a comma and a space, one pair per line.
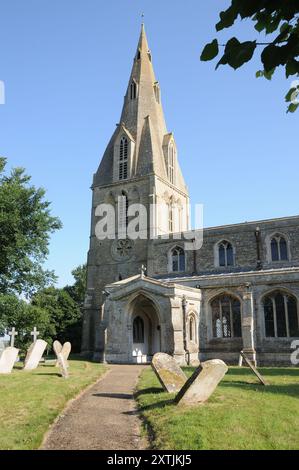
104, 417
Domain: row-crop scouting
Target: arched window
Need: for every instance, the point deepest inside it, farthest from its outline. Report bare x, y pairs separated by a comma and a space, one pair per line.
226, 317
192, 329
138, 330
279, 248
171, 159
225, 254
123, 159
281, 315
178, 259
133, 90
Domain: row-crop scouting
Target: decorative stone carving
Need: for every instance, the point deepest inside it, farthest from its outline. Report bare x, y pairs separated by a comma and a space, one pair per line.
122, 250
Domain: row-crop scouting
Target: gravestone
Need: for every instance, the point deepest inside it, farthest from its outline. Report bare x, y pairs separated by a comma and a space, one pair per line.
253, 368
202, 383
7, 359
34, 354
4, 343
60, 359
65, 351
169, 373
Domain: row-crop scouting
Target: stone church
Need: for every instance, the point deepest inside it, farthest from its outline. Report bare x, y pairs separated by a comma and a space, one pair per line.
239, 291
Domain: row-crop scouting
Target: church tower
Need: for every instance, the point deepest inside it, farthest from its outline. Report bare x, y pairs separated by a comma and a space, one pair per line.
139, 166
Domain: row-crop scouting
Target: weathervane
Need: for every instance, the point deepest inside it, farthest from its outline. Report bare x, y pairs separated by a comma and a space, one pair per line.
142, 17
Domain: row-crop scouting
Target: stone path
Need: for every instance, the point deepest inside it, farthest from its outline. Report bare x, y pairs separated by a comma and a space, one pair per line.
104, 417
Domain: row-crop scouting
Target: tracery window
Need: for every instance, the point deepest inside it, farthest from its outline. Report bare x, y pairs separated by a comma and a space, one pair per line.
279, 248
225, 254
178, 260
226, 317
281, 315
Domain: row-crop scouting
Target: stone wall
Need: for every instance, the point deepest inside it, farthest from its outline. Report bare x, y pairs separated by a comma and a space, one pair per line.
244, 242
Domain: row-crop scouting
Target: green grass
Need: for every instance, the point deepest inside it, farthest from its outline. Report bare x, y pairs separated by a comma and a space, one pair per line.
30, 401
241, 413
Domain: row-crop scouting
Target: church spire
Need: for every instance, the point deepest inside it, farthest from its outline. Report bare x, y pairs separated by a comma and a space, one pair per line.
143, 95
142, 121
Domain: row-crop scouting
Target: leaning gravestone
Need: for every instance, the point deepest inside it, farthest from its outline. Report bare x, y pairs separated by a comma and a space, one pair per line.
61, 359
65, 351
7, 359
169, 373
202, 383
34, 354
254, 369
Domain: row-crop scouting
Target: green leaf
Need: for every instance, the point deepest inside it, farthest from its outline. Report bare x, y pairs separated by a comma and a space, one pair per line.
292, 107
271, 57
237, 53
291, 94
268, 75
284, 27
259, 73
292, 67
244, 54
222, 61
210, 51
227, 18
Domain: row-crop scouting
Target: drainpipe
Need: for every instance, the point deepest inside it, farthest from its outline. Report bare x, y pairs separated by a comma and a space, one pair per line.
187, 352
257, 234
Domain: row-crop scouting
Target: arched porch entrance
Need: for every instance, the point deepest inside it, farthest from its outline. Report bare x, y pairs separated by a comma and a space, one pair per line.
145, 329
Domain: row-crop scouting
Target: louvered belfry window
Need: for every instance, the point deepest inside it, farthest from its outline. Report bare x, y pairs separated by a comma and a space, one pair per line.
123, 159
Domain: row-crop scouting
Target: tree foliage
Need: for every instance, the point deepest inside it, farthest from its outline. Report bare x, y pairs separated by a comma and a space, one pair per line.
25, 227
15, 312
278, 17
78, 289
64, 314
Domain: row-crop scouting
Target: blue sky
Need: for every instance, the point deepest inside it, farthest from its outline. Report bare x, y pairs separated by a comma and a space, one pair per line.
66, 64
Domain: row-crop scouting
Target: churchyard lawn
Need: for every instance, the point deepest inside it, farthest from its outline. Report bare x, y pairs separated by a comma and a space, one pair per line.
31, 400
241, 413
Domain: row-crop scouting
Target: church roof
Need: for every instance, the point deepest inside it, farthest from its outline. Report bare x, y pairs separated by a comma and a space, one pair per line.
143, 119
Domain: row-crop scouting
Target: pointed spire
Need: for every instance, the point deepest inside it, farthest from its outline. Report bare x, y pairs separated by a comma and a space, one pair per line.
142, 43
143, 118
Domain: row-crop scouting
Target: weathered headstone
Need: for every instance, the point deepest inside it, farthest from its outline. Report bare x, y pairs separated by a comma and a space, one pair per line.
202, 383
65, 351
4, 343
254, 369
169, 373
60, 359
7, 359
34, 354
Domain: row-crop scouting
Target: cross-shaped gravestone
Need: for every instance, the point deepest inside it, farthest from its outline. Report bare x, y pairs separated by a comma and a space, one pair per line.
35, 334
13, 333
